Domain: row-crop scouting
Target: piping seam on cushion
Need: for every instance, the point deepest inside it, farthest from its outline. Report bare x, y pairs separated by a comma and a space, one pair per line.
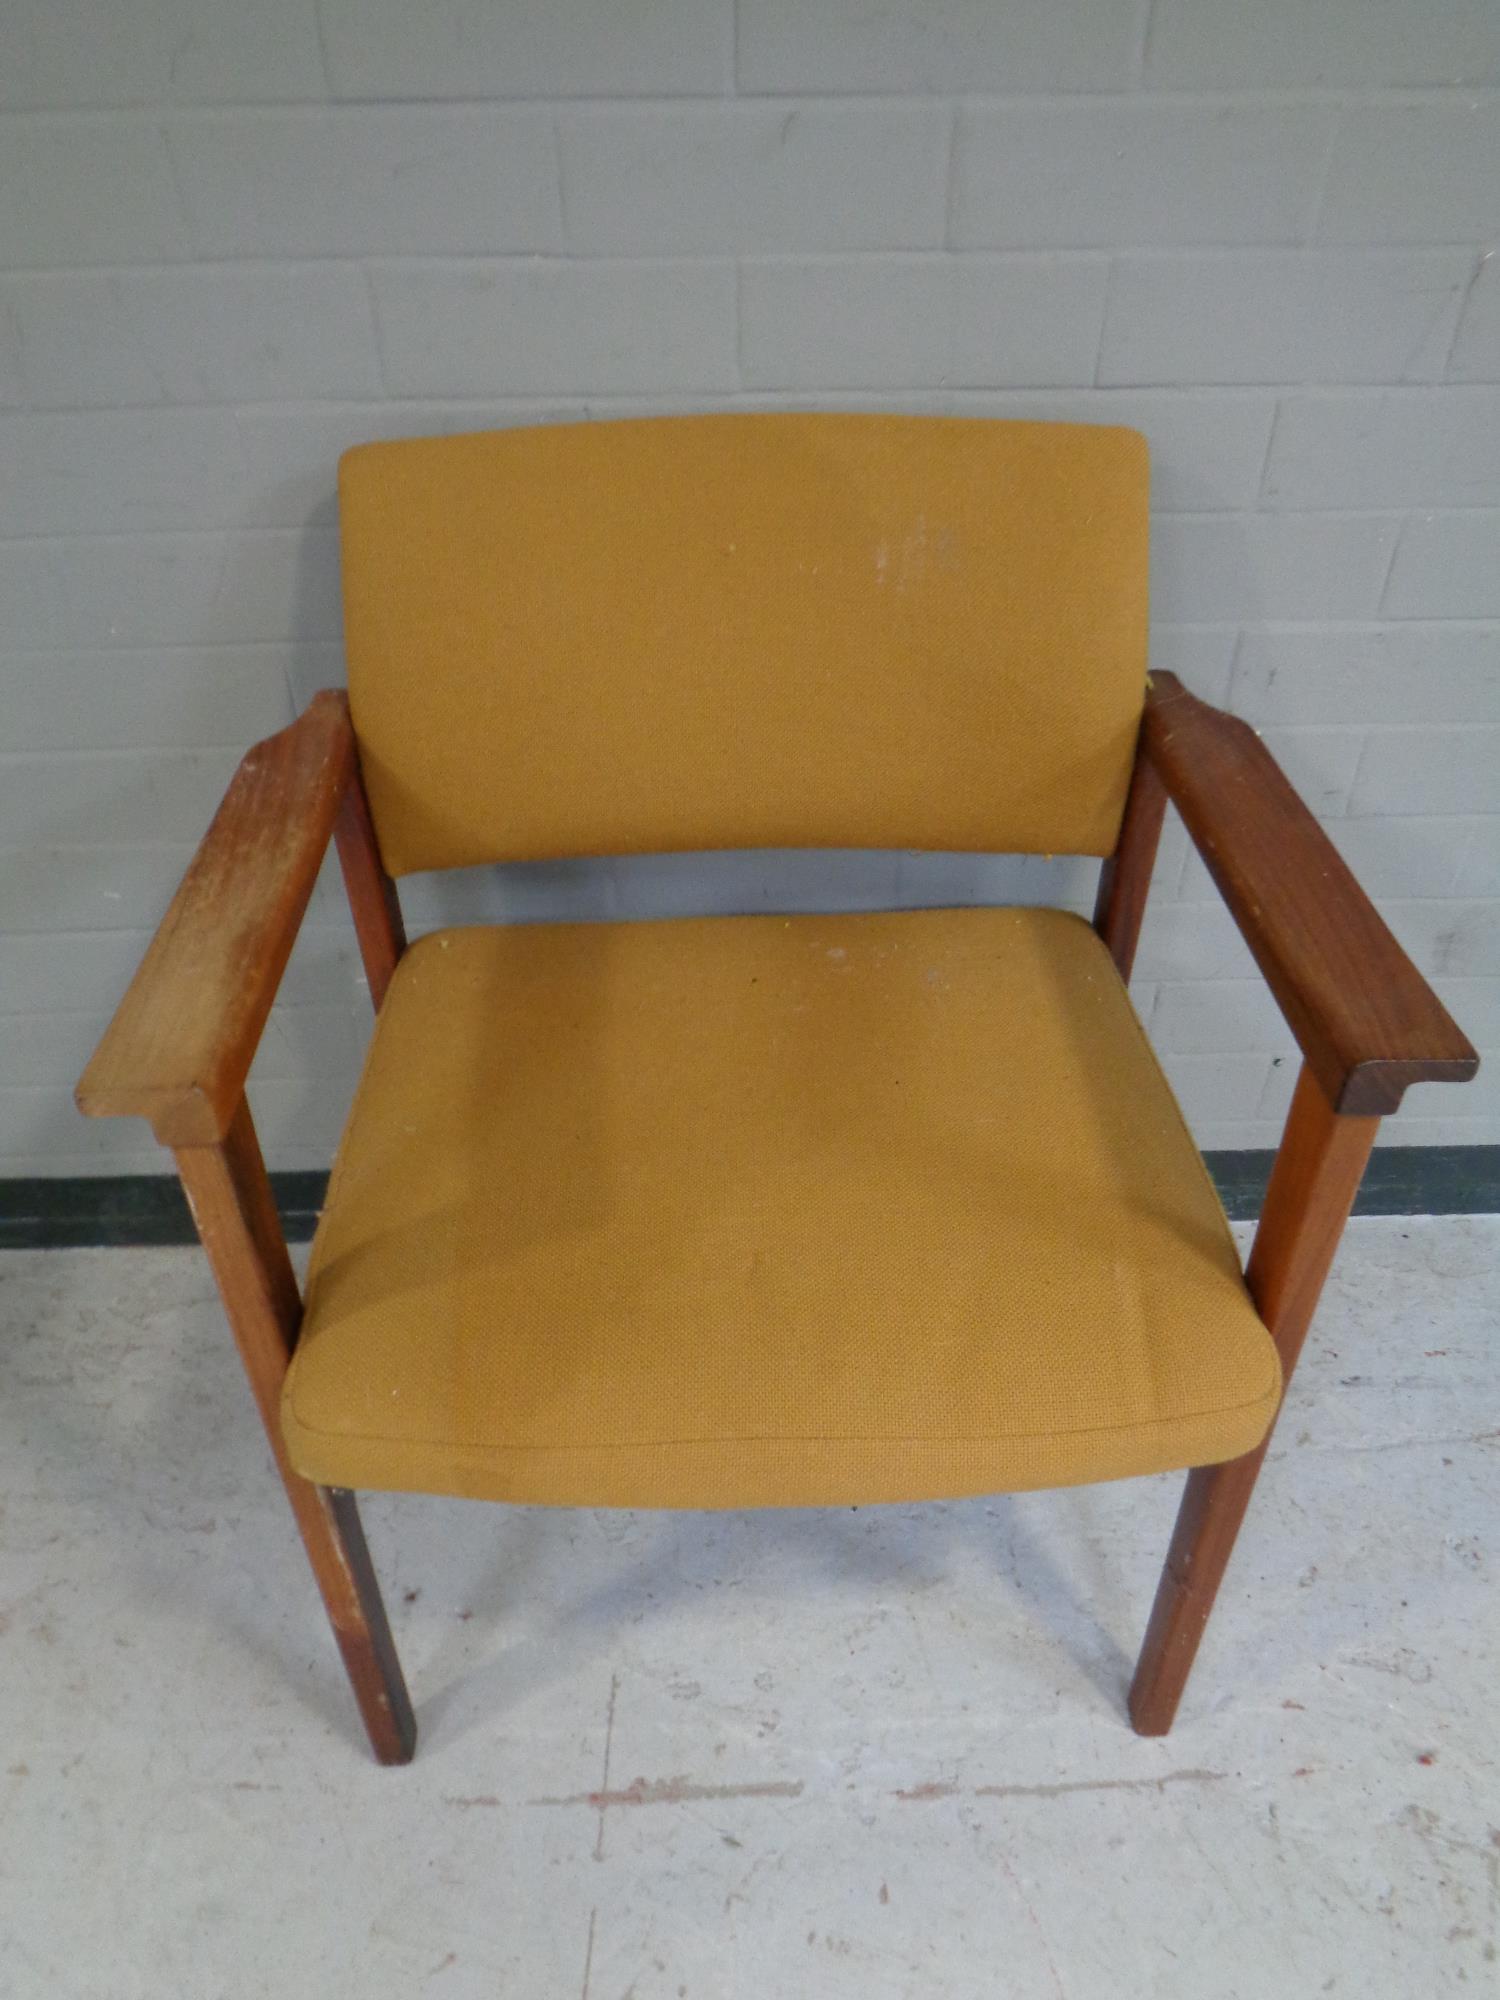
1149, 1429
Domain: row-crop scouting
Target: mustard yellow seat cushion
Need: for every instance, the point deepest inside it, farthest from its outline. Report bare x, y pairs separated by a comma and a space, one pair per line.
758, 1211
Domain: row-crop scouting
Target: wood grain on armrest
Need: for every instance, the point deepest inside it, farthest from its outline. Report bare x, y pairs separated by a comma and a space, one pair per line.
1367, 1021
180, 1045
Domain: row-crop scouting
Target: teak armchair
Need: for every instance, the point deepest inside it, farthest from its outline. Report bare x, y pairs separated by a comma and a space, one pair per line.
756, 1211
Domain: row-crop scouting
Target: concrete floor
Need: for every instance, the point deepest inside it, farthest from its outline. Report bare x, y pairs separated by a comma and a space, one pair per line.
869, 1754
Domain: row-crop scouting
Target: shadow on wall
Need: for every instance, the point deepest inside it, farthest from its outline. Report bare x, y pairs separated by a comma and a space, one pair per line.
742, 882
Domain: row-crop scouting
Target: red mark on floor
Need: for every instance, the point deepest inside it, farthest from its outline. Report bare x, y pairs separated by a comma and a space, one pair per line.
935, 1790
1187, 1777
601, 1798
588, 1957
1036, 1923
672, 1792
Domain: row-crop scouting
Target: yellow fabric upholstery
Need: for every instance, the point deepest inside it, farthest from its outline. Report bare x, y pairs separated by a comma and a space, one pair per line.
757, 1211
746, 631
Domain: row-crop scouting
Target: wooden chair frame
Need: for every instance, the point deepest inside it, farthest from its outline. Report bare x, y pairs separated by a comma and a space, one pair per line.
180, 1047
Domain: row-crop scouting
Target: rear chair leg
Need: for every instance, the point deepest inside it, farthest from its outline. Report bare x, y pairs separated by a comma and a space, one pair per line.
1313, 1184
232, 1204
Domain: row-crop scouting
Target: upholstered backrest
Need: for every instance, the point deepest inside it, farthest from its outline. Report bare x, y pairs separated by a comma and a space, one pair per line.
746, 631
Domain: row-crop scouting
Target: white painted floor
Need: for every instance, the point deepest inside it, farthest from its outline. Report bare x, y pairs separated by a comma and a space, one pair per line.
864, 1754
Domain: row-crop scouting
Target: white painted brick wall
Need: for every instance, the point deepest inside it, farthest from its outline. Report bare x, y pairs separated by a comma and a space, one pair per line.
880, 323
1409, 173
235, 239
786, 46
1130, 171
1447, 566
1385, 448
547, 325
74, 52
324, 182
526, 48
192, 334
1283, 315
1225, 45
1476, 346
754, 177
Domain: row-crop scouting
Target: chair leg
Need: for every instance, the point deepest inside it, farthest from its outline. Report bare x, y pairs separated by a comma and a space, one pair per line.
1313, 1184
1213, 1507
232, 1204
345, 1575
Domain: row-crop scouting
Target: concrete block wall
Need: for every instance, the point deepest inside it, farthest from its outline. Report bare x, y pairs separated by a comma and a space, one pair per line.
235, 238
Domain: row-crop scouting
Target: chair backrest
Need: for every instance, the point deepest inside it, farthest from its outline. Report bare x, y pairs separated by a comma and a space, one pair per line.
746, 631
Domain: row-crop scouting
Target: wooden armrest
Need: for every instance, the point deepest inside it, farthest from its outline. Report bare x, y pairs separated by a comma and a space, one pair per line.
1367, 1021
180, 1045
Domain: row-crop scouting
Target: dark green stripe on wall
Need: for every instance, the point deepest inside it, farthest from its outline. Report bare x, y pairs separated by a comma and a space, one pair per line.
130, 1210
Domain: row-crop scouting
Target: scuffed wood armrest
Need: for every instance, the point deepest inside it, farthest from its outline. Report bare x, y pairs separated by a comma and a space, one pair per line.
1367, 1021
180, 1045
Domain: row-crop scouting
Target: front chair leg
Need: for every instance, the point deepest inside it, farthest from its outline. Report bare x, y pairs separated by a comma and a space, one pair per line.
1313, 1184
230, 1196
